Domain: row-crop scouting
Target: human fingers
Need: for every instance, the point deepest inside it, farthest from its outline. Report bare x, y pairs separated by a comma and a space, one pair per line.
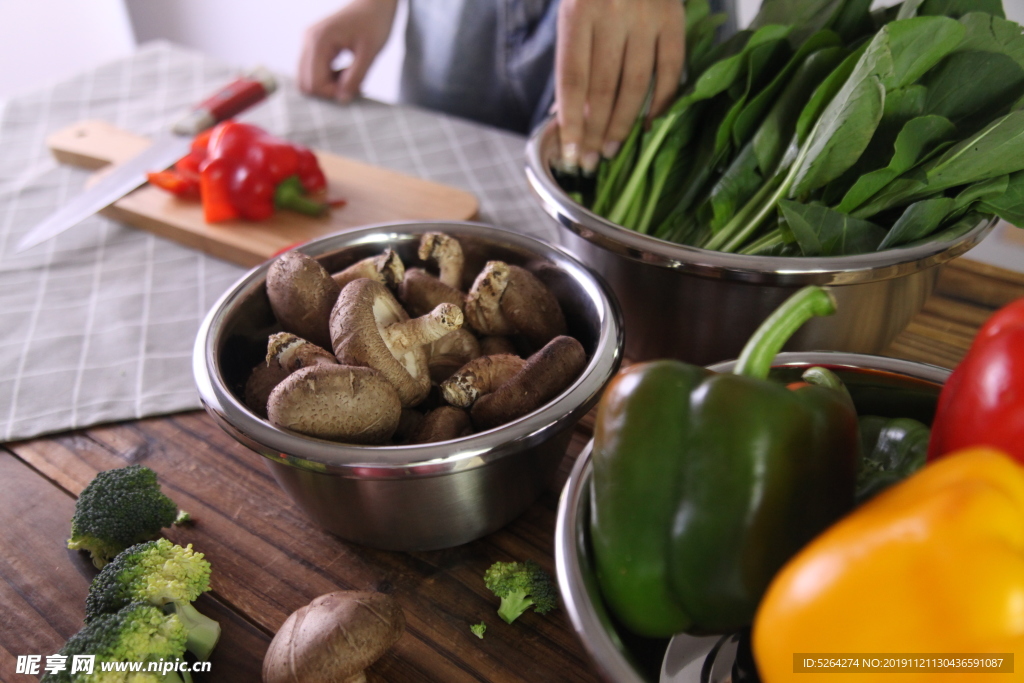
572, 76
352, 77
605, 72
671, 55
321, 44
637, 71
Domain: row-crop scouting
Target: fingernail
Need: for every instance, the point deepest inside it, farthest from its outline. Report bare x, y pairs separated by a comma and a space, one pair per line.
570, 156
590, 161
610, 149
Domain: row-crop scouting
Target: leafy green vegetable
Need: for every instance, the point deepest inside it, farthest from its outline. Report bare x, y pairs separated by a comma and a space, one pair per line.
832, 129
820, 231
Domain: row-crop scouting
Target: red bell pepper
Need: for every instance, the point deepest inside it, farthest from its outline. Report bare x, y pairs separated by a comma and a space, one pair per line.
239, 170
982, 403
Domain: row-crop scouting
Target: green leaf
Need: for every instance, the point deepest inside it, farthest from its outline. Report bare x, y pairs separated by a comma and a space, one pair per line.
908, 9
841, 135
918, 136
761, 60
958, 8
777, 129
918, 44
853, 20
753, 112
806, 16
737, 185
820, 231
825, 92
918, 220
996, 150
1010, 205
987, 190
953, 231
970, 88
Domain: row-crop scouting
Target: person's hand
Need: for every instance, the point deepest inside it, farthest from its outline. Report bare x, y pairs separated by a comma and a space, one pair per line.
362, 27
607, 53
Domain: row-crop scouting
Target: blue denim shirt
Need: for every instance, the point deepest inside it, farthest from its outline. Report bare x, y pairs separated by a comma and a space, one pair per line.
487, 60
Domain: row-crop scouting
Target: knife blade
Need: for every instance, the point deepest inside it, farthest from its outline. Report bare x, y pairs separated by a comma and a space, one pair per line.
229, 101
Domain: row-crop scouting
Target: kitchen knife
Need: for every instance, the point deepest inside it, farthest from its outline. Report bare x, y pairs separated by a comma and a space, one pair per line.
229, 101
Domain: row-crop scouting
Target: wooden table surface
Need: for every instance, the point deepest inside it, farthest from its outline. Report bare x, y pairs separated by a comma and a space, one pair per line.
269, 560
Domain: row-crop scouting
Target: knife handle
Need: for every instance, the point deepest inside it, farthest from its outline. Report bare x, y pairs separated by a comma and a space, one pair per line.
230, 100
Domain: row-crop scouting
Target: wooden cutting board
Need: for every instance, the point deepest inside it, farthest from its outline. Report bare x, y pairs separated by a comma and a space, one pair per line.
374, 195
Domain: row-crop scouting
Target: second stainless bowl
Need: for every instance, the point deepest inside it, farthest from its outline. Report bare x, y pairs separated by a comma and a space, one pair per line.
882, 386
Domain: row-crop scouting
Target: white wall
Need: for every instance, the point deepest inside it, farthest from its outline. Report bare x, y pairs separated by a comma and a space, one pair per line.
247, 33
43, 41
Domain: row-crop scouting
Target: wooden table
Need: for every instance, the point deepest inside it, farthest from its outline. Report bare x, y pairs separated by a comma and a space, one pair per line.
269, 560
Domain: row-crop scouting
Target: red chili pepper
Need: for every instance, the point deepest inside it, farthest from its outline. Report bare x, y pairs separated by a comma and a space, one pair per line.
176, 183
982, 403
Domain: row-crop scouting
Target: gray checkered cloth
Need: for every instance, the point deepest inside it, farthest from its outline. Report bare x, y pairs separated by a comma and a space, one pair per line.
97, 325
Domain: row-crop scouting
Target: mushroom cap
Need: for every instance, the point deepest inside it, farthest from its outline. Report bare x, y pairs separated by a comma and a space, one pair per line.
362, 309
531, 308
262, 380
301, 295
334, 637
337, 402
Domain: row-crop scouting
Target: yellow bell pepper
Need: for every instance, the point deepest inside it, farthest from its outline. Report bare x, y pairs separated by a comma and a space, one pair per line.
934, 565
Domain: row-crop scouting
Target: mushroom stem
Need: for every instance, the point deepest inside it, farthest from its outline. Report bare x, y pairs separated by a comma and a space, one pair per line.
386, 268
451, 352
442, 424
483, 305
480, 376
421, 292
292, 352
490, 346
546, 373
447, 253
403, 336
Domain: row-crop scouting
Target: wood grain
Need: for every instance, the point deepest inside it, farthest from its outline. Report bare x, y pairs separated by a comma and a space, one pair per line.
269, 559
373, 195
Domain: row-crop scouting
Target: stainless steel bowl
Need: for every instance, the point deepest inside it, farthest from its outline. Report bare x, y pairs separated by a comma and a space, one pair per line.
425, 496
701, 306
879, 385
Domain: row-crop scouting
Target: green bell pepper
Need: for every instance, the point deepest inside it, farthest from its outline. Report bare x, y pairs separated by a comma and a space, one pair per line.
704, 484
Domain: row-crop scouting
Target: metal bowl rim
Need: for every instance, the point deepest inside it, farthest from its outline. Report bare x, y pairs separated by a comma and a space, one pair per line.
715, 264
434, 459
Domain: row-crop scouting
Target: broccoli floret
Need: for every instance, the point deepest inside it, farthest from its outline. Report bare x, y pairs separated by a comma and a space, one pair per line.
137, 633
520, 585
117, 509
478, 629
158, 573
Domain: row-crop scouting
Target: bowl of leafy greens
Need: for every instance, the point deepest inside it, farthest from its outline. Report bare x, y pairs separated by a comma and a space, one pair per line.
826, 144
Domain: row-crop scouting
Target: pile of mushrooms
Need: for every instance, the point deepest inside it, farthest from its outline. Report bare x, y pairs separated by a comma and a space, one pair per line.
379, 354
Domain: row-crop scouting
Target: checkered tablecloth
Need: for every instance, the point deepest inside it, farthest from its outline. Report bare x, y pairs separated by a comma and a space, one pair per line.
97, 325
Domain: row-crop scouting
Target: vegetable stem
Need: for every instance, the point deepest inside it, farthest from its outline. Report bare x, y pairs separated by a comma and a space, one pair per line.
291, 195
756, 358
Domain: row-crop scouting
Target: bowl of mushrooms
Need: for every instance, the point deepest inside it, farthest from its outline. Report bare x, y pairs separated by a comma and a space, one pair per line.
412, 386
